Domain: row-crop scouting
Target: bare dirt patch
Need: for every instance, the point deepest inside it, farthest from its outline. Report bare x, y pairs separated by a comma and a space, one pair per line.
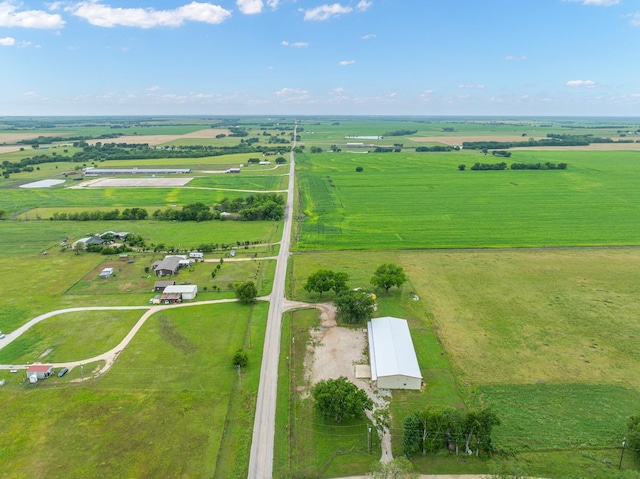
136, 182
151, 140
207, 133
9, 149
334, 351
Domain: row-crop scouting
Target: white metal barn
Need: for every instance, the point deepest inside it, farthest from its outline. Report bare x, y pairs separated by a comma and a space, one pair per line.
188, 291
394, 364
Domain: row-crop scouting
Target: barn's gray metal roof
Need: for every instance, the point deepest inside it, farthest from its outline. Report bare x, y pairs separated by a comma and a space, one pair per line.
391, 350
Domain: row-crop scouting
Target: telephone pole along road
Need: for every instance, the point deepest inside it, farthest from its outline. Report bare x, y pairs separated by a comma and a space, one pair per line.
261, 460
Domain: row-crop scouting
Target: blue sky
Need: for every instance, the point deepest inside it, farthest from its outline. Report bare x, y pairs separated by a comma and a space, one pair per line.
308, 57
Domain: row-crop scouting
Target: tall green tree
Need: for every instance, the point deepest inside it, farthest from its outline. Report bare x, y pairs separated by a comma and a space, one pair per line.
388, 275
247, 292
340, 399
326, 280
354, 307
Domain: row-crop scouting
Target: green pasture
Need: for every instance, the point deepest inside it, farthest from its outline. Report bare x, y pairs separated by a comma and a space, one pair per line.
405, 201
248, 181
35, 236
545, 338
71, 337
166, 408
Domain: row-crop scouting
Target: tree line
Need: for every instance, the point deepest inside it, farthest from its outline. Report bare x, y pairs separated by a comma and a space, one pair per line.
515, 166
252, 208
552, 139
447, 429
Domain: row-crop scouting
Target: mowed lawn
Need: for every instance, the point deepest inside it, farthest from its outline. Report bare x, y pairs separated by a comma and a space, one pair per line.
166, 408
413, 200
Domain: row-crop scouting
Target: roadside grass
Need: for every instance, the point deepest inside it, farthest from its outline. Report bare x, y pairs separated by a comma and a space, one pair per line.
306, 444
412, 200
70, 337
159, 412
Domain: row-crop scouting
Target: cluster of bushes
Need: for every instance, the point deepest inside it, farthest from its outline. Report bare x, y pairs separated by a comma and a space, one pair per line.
436, 429
421, 149
254, 207
400, 133
538, 166
106, 249
191, 212
383, 149
552, 139
126, 214
489, 166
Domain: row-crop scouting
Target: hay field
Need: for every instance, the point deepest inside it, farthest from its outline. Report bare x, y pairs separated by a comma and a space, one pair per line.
155, 140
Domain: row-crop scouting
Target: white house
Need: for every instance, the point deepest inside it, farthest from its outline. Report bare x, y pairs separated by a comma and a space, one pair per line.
188, 291
196, 255
106, 272
394, 364
264, 163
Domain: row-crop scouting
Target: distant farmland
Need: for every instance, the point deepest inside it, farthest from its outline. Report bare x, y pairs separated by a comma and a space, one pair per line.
409, 200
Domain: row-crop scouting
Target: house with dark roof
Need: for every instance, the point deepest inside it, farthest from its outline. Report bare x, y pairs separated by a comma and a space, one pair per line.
168, 266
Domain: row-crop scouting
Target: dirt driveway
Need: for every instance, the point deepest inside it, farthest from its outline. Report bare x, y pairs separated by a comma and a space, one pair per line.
334, 351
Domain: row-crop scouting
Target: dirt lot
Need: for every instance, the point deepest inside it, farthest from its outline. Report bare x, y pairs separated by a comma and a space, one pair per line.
134, 182
333, 352
155, 140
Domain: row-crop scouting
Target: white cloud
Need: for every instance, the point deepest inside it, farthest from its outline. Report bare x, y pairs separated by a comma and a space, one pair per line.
368, 36
106, 16
154, 88
511, 58
598, 3
250, 7
581, 83
346, 62
285, 43
425, 94
7, 42
470, 86
293, 95
363, 5
325, 12
635, 19
273, 4
9, 17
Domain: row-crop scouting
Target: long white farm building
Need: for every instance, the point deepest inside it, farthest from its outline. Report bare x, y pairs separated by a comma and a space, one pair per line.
394, 364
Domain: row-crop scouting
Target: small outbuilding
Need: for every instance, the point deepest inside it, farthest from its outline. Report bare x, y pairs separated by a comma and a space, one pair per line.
105, 273
186, 291
162, 284
394, 364
36, 372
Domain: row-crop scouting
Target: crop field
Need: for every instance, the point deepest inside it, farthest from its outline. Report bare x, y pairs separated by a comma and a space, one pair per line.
403, 201
177, 386
249, 181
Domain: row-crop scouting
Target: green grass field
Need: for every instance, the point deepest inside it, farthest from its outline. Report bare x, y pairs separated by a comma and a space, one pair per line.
406, 201
169, 397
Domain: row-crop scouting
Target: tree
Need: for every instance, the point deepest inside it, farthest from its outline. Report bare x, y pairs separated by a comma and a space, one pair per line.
412, 439
354, 307
359, 169
633, 433
388, 275
326, 280
340, 399
3, 214
247, 292
462, 167
280, 160
240, 359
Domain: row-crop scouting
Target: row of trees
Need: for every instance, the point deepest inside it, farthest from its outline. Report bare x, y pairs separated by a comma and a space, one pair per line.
515, 166
98, 215
354, 306
252, 208
551, 140
435, 428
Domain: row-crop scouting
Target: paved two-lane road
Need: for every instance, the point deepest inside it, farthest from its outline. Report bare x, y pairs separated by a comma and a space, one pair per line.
261, 460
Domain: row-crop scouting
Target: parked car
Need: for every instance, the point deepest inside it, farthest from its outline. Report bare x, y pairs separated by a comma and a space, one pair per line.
2, 335
62, 372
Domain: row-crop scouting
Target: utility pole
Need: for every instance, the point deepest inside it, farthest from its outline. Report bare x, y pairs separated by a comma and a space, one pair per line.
624, 444
369, 439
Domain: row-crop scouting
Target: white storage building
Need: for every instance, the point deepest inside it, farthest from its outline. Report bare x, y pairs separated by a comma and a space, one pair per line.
394, 364
188, 291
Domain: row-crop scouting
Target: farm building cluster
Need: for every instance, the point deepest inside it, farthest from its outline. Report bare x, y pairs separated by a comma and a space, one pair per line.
171, 264
172, 292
